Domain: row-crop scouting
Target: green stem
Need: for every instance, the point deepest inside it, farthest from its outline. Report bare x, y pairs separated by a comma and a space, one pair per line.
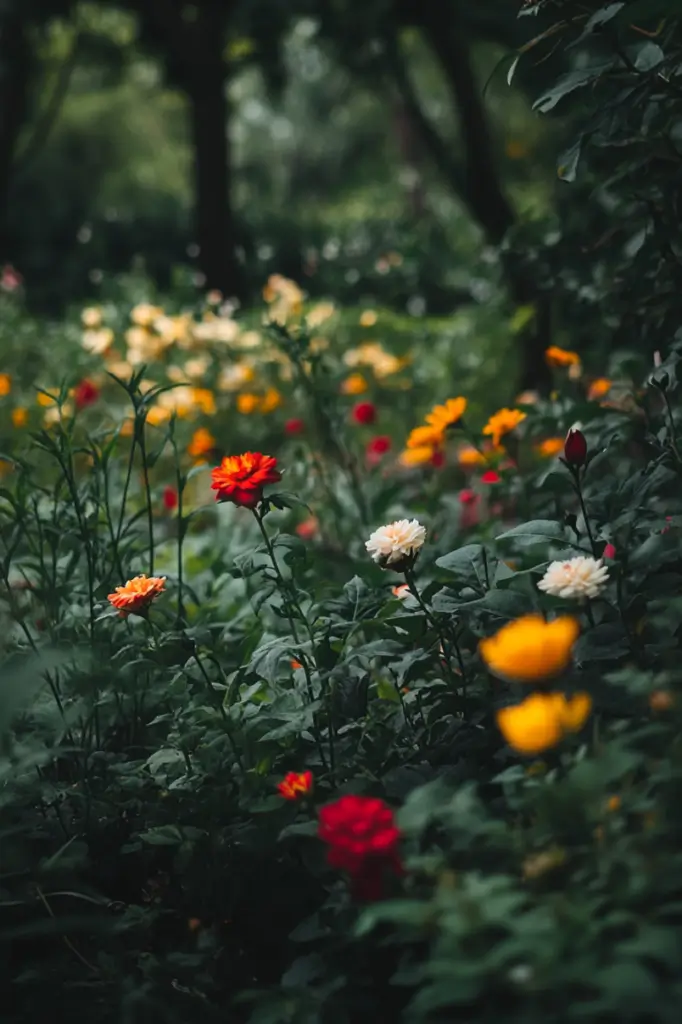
673, 439
433, 622
148, 495
579, 491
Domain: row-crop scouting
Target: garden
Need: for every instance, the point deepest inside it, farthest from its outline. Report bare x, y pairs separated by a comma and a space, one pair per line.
340, 554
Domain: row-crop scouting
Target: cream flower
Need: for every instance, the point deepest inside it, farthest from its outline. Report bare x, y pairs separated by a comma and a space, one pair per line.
578, 578
394, 545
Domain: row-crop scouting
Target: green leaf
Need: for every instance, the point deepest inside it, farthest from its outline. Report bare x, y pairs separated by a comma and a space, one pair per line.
537, 531
568, 161
569, 82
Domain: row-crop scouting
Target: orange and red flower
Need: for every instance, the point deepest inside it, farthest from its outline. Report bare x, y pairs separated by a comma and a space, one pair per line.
363, 840
137, 595
295, 785
241, 478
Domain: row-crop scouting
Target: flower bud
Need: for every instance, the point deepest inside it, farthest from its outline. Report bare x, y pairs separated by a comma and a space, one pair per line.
575, 448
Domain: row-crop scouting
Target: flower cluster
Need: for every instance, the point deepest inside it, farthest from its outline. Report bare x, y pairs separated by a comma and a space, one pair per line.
427, 441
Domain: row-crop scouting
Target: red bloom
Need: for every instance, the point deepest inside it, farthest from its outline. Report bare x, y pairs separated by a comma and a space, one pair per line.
438, 460
575, 448
85, 394
364, 413
609, 551
467, 496
10, 279
363, 841
491, 476
241, 478
170, 498
379, 445
293, 427
295, 784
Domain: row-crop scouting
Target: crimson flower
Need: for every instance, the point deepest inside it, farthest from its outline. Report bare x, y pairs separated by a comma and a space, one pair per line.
241, 478
363, 841
609, 551
85, 394
379, 445
575, 448
294, 426
438, 460
364, 413
170, 498
491, 476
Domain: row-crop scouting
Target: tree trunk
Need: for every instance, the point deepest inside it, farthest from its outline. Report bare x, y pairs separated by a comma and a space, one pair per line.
15, 67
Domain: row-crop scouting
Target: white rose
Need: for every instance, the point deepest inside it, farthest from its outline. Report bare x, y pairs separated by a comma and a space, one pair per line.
394, 544
578, 578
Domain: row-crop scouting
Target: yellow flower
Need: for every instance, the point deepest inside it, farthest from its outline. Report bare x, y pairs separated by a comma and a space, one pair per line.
56, 415
598, 388
530, 649
91, 317
542, 720
469, 457
503, 422
202, 443
284, 298
235, 376
157, 415
354, 385
270, 401
120, 368
205, 399
197, 368
423, 437
559, 357
143, 346
528, 398
97, 341
550, 447
20, 416
368, 318
144, 314
373, 354
443, 416
416, 456
539, 863
47, 399
247, 403
5, 384
319, 313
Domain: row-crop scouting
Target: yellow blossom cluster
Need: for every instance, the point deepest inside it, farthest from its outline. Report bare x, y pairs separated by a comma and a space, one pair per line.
425, 441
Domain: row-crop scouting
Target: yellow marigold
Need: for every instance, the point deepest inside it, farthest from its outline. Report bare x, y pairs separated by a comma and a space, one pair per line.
20, 416
247, 403
598, 388
91, 317
5, 384
319, 313
270, 401
368, 318
202, 443
97, 341
205, 400
542, 720
448, 415
423, 437
559, 357
47, 397
530, 649
550, 447
137, 595
416, 456
354, 385
144, 314
157, 415
503, 422
469, 457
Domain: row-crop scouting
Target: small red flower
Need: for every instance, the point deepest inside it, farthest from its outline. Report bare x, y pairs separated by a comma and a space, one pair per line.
293, 427
364, 413
85, 394
170, 499
491, 476
379, 445
363, 840
467, 496
295, 785
241, 478
609, 551
438, 460
575, 448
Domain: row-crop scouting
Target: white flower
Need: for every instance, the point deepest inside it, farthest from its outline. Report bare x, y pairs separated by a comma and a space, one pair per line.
396, 542
578, 578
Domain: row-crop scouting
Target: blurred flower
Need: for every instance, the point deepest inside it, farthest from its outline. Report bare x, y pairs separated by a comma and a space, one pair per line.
561, 357
205, 400
424, 437
284, 297
144, 314
294, 426
368, 318
578, 578
247, 403
613, 803
270, 401
174, 330
354, 385
10, 279
469, 457
363, 839
364, 413
397, 544
448, 415
515, 149
85, 393
295, 785
235, 376
214, 297
97, 342
550, 447
137, 595
170, 499
598, 388
437, 459
47, 397
241, 478
661, 700
379, 445
402, 591
91, 316
541, 720
319, 313
247, 340
575, 447
528, 398
5, 384
55, 414
416, 456
539, 864
121, 368
197, 368
372, 354
19, 416
470, 515
202, 443
530, 649
219, 329
503, 422
491, 476
308, 529
609, 552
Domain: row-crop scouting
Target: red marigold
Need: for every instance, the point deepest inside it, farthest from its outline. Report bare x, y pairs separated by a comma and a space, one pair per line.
137, 595
293, 427
85, 394
363, 840
241, 478
170, 498
364, 413
295, 785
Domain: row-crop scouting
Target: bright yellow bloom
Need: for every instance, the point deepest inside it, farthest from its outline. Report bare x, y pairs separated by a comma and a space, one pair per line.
91, 317
120, 368
416, 456
157, 415
354, 385
5, 384
20, 416
503, 422
47, 399
598, 388
144, 314
372, 354
530, 649
443, 416
205, 399
469, 457
247, 403
558, 357
202, 443
423, 437
550, 447
542, 720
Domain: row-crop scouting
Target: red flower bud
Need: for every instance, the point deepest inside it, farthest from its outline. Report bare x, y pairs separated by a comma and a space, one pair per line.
85, 394
575, 448
364, 413
609, 551
294, 426
170, 499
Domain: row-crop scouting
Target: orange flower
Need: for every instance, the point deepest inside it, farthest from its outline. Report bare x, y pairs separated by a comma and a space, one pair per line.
295, 785
469, 457
5, 384
204, 398
416, 456
354, 385
137, 595
20, 416
241, 478
542, 720
598, 388
503, 422
560, 357
550, 447
202, 443
423, 437
443, 416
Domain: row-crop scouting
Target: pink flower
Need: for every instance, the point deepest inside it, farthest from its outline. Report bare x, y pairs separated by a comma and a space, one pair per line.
609, 551
491, 476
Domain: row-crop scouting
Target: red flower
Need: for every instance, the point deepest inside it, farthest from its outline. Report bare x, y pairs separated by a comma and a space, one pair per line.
10, 279
438, 460
170, 498
295, 784
364, 413
491, 476
575, 448
241, 478
363, 841
85, 394
379, 445
293, 427
467, 496
609, 551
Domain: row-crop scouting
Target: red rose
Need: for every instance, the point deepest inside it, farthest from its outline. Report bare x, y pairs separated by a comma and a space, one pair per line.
364, 413
293, 427
363, 841
85, 394
170, 498
241, 478
575, 448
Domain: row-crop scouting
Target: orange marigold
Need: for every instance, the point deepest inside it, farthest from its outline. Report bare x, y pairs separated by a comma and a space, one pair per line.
202, 443
295, 785
503, 422
558, 357
550, 447
448, 415
137, 595
598, 388
241, 478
